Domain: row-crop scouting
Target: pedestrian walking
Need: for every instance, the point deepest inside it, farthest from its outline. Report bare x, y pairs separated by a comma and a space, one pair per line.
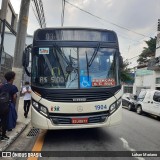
8, 114
27, 98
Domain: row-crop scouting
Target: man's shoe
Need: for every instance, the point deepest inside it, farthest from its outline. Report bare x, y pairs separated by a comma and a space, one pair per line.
4, 138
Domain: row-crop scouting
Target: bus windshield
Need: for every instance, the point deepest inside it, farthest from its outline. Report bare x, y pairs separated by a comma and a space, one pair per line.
74, 67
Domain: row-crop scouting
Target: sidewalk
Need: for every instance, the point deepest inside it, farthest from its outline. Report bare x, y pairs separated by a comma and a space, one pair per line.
22, 123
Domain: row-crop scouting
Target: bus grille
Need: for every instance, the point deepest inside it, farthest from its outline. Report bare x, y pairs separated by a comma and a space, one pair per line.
68, 97
58, 120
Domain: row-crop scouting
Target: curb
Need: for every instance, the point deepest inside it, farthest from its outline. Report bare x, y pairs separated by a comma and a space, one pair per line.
20, 127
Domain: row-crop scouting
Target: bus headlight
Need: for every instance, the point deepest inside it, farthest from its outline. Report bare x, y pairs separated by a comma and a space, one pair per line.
43, 110
40, 108
114, 106
35, 104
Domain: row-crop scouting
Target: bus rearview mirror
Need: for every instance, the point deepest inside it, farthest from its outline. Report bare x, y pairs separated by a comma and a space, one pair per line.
120, 61
26, 58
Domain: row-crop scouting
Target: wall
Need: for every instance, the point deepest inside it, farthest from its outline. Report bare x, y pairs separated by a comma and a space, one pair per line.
8, 13
144, 79
158, 45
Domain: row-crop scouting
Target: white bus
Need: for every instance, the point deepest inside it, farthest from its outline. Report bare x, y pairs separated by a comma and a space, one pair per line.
75, 78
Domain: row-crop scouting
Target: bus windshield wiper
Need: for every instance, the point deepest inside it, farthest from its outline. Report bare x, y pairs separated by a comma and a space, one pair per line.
69, 63
87, 66
61, 53
94, 55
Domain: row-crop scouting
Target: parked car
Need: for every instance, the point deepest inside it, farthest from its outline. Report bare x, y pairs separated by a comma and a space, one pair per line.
149, 102
129, 101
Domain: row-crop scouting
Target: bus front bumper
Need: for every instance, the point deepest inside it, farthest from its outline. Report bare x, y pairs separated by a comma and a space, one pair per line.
40, 121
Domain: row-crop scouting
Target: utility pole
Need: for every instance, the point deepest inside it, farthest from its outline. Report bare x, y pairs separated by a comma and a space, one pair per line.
20, 44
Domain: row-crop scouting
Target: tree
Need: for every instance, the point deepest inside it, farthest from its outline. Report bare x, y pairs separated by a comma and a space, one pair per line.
148, 51
125, 72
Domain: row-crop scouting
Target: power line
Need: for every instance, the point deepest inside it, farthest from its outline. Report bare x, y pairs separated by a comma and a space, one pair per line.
106, 20
40, 13
62, 15
132, 58
112, 24
35, 13
120, 34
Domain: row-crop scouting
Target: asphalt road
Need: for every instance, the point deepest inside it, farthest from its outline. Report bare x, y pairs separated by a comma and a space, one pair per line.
135, 133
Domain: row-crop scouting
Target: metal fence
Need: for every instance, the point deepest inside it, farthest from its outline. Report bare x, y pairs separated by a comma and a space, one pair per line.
6, 64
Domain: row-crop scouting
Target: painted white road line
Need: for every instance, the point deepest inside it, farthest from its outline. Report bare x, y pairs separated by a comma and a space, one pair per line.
126, 146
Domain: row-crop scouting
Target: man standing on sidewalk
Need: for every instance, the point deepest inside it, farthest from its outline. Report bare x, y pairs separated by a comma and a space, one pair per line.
4, 110
8, 112
27, 98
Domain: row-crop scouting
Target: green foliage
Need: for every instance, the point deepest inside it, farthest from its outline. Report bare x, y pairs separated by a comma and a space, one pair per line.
125, 72
148, 51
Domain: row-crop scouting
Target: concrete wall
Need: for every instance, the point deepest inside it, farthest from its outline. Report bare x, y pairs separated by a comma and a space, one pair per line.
149, 81
158, 45
144, 80
8, 13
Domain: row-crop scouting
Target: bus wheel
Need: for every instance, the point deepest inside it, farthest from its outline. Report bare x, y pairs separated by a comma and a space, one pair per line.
139, 110
129, 107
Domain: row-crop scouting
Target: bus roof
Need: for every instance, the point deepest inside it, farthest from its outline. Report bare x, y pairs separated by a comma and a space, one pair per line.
76, 28
75, 34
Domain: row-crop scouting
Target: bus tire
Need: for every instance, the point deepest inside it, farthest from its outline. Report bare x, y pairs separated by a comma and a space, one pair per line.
139, 110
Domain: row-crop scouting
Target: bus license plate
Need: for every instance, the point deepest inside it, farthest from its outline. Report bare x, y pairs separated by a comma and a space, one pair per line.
79, 120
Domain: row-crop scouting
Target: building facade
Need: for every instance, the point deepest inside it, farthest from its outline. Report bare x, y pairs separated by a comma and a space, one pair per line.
149, 77
8, 53
8, 27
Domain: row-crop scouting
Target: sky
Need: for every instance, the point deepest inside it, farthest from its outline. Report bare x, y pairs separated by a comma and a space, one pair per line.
138, 17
